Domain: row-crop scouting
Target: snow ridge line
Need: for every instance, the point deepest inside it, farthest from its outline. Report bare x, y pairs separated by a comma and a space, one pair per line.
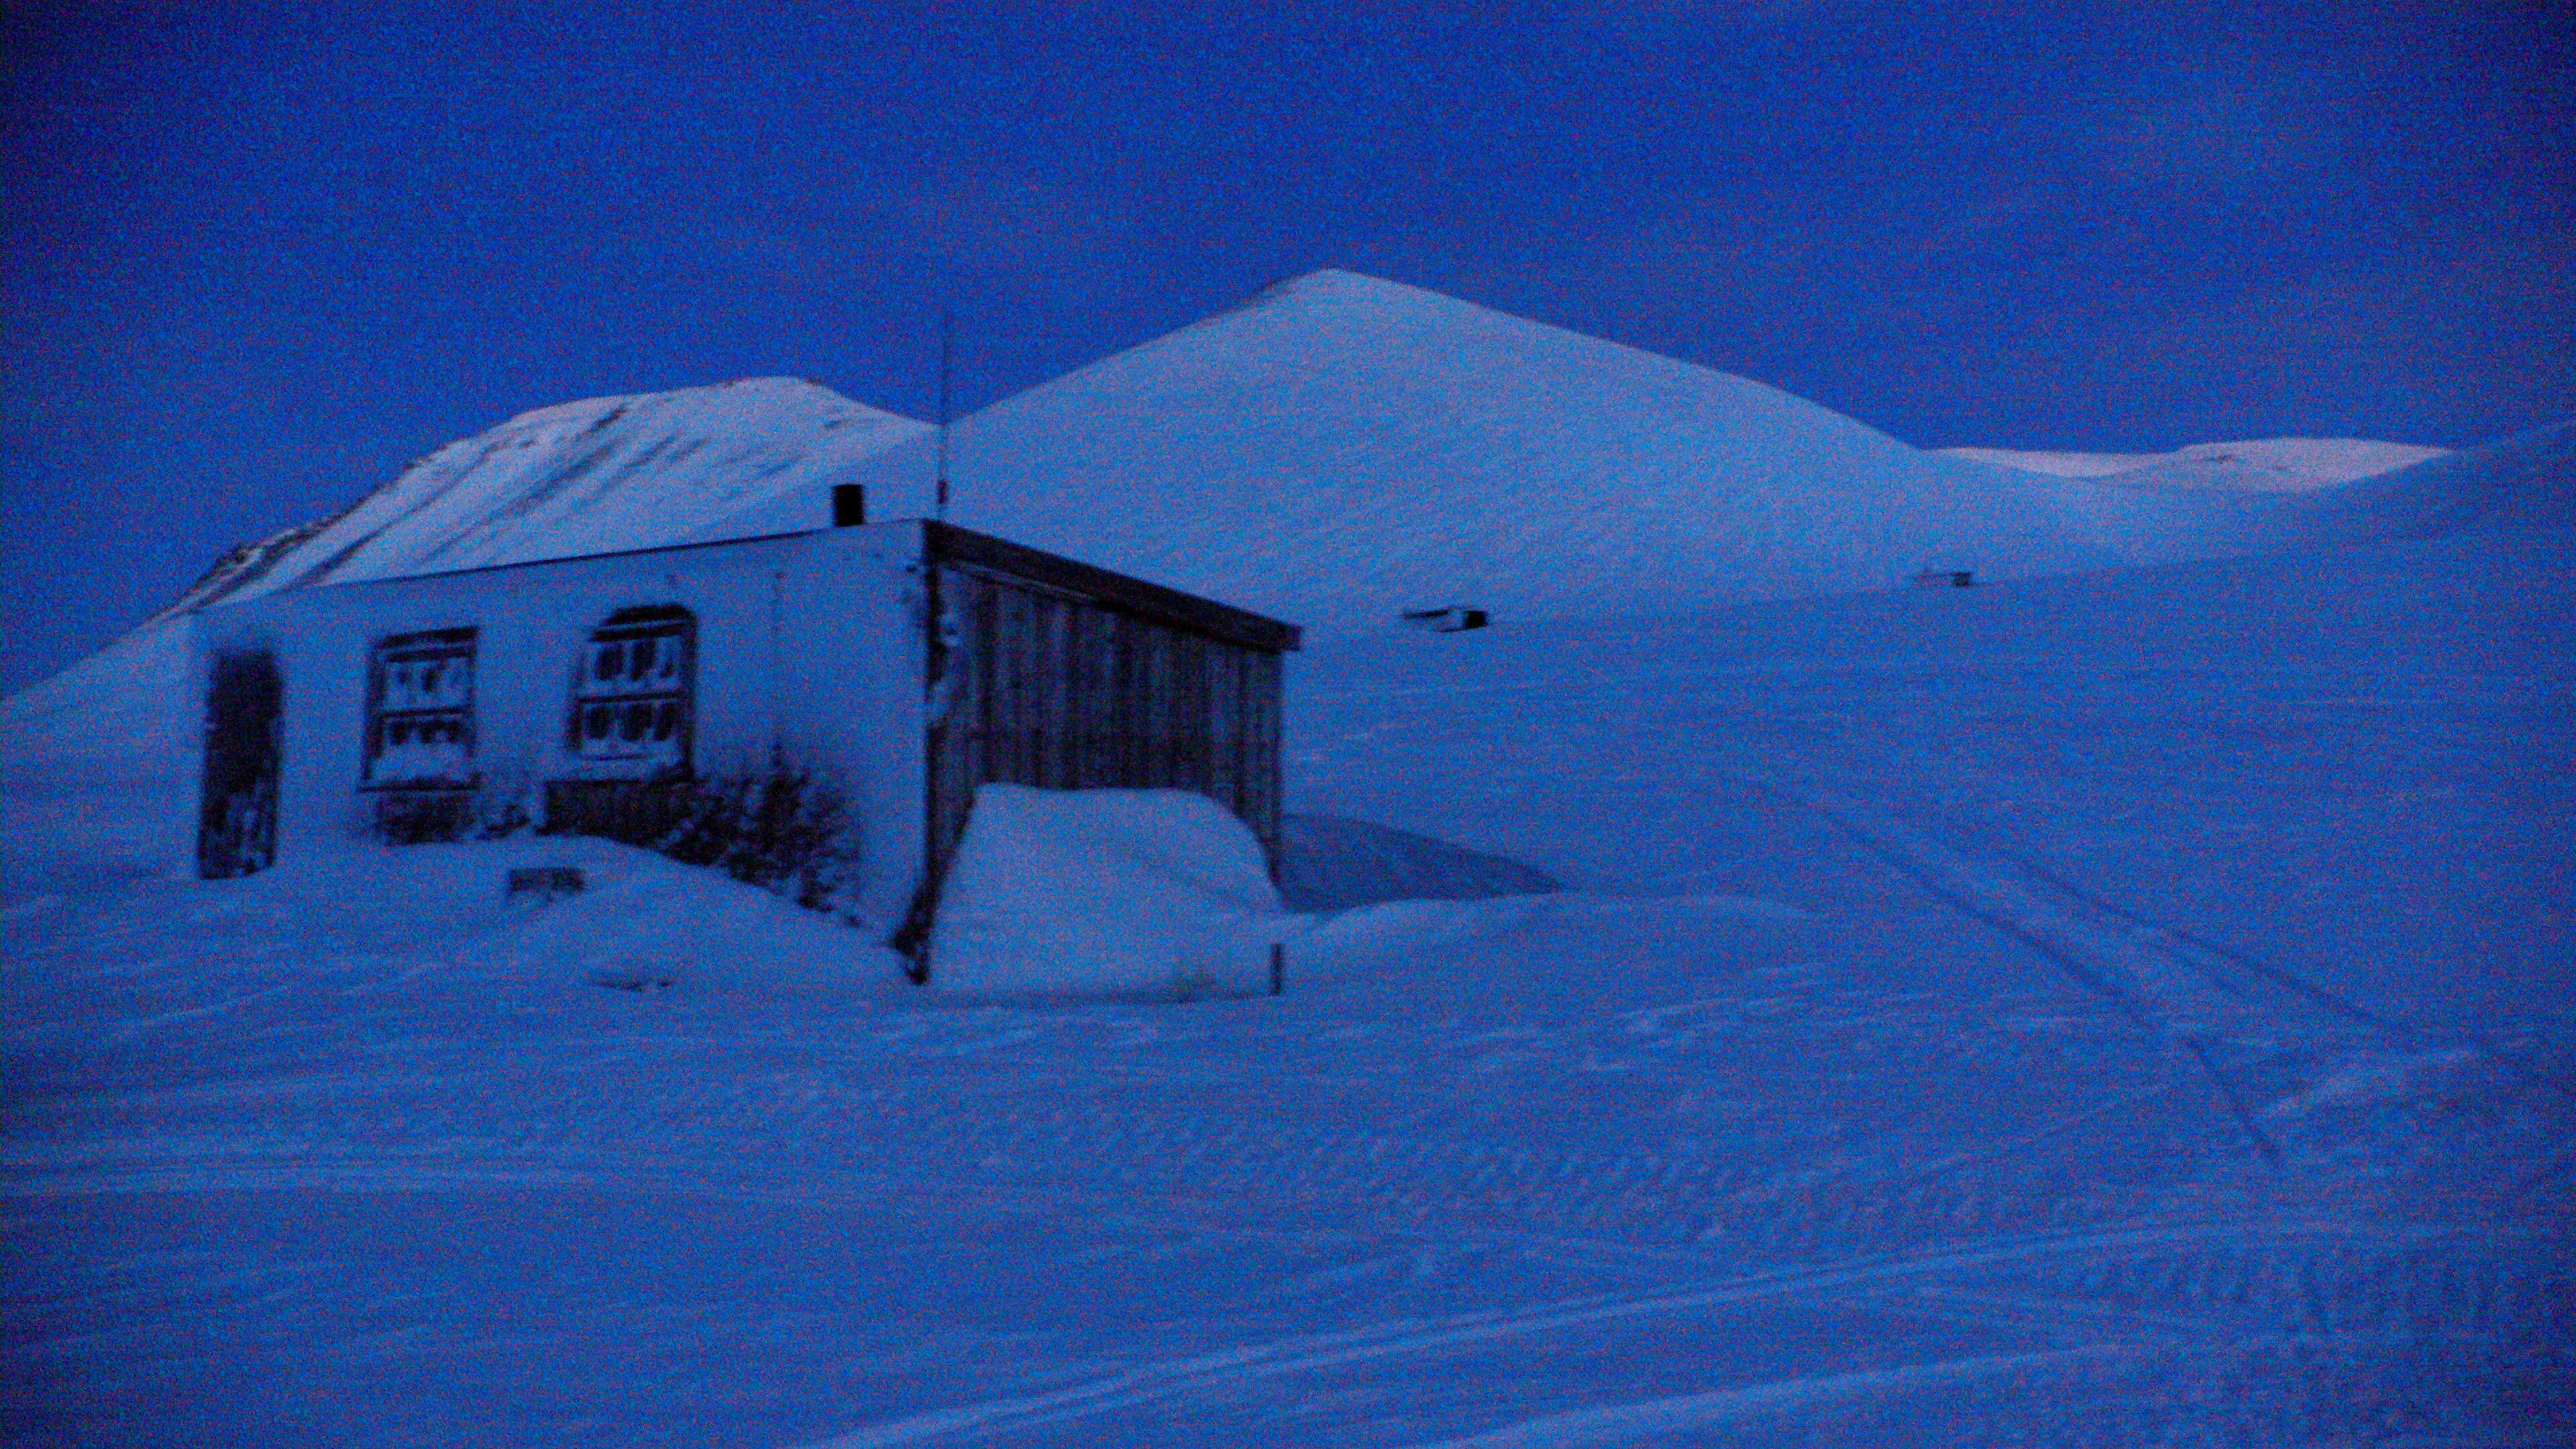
1155, 1382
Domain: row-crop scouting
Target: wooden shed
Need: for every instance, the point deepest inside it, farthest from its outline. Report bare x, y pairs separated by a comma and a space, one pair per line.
1046, 672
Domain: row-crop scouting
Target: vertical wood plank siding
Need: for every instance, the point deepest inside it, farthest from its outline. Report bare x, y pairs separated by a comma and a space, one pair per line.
1064, 693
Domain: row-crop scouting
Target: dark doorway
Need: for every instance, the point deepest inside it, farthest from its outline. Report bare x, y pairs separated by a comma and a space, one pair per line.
237, 821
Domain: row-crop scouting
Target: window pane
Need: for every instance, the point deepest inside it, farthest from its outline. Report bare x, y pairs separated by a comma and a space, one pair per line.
631, 704
418, 730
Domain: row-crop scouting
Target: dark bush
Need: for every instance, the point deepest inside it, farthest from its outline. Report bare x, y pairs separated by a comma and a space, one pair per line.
781, 829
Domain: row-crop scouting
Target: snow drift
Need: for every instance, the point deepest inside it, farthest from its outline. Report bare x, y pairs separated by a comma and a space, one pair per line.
1092, 892
96, 758
1330, 864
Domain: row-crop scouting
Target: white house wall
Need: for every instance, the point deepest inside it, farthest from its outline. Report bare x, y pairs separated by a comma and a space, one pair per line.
850, 690
808, 649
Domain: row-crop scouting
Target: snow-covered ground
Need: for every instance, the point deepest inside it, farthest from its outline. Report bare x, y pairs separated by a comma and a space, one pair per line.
2124, 1008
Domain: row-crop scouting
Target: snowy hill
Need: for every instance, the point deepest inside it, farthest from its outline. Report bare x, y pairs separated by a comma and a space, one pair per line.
599, 476
2267, 465
1336, 450
2527, 478
1341, 447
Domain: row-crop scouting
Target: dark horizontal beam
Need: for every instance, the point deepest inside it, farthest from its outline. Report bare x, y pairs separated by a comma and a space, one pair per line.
947, 543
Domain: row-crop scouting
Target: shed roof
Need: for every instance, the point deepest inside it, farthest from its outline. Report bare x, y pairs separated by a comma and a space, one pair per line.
947, 543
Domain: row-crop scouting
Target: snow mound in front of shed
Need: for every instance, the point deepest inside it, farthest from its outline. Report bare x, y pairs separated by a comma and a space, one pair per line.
605, 475
639, 922
1086, 893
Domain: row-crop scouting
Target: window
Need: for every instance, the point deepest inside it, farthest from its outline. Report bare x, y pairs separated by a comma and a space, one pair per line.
420, 710
631, 693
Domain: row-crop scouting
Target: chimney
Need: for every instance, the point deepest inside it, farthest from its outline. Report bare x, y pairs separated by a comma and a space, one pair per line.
849, 505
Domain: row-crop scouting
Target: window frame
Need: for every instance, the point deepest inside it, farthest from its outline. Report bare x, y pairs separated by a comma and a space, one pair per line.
670, 626
459, 643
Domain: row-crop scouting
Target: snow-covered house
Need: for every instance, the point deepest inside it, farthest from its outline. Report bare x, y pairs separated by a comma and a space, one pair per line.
551, 627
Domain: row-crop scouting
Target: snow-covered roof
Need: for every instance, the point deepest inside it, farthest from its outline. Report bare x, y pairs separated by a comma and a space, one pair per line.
603, 475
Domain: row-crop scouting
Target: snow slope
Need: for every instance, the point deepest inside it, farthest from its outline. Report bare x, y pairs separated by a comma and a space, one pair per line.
1328, 863
1340, 448
2527, 478
2120, 1009
1336, 450
2276, 465
91, 760
600, 476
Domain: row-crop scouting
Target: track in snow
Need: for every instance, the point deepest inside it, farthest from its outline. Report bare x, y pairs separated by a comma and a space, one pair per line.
1175, 1382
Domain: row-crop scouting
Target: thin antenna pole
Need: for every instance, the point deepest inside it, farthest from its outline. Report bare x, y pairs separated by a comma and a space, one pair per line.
947, 351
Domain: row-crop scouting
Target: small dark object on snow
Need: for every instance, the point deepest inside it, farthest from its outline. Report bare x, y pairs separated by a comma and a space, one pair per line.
543, 883
625, 981
849, 505
1452, 620
1945, 579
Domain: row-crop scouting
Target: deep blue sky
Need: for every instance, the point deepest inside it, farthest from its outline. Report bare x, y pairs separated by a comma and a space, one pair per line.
257, 261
